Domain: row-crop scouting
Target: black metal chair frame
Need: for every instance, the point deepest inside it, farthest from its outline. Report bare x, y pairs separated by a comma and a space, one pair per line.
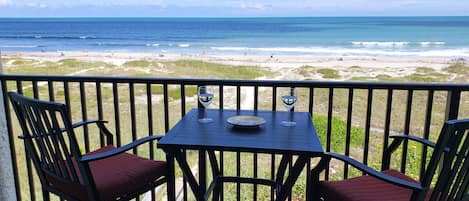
43, 134
450, 154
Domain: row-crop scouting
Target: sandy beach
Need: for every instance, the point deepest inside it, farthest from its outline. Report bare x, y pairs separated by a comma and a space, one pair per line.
275, 62
363, 66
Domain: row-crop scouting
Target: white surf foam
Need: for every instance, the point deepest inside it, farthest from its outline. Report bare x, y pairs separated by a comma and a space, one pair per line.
397, 43
459, 52
19, 46
152, 45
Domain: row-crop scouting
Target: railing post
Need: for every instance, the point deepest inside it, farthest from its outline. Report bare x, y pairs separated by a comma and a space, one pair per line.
452, 104
7, 182
452, 109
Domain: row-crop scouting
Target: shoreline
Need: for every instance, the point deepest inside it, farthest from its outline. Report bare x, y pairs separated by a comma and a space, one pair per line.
275, 62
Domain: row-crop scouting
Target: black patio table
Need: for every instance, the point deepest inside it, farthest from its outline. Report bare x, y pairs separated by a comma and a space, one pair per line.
300, 140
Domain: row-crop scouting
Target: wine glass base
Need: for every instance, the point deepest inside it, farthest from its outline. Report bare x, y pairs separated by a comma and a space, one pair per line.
205, 120
288, 123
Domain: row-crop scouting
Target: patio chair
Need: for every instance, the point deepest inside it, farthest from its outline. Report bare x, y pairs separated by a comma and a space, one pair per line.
108, 173
446, 175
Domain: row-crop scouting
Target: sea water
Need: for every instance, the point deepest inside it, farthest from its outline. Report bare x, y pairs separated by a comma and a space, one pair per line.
336, 36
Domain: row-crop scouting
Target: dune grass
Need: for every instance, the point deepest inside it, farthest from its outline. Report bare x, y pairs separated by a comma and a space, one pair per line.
328, 73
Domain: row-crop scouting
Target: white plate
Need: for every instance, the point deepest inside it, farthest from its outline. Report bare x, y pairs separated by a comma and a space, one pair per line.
246, 121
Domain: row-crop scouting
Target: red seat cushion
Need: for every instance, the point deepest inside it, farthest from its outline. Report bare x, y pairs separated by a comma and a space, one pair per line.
117, 176
366, 188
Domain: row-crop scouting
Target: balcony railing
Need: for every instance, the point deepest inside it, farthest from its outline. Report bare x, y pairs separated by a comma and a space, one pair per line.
353, 118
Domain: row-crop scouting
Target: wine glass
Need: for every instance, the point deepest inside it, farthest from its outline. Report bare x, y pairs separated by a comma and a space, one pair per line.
289, 99
205, 96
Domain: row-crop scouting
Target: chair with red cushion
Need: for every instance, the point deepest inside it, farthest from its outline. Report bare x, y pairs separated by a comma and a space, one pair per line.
450, 180
108, 173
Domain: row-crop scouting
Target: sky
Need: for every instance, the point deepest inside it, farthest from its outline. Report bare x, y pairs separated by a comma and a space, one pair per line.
231, 8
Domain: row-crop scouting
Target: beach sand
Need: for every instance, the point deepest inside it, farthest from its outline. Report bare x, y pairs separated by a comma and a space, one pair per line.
363, 66
278, 61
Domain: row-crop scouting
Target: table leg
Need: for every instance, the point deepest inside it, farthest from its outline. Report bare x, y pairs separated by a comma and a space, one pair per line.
313, 179
186, 170
199, 188
215, 174
295, 171
202, 173
170, 178
282, 169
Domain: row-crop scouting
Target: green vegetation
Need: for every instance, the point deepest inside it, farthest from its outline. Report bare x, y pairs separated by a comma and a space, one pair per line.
310, 71
174, 93
23, 62
329, 73
137, 63
6, 60
68, 63
139, 68
422, 75
357, 135
460, 72
429, 77
61, 67
306, 71
424, 70
383, 77
362, 79
458, 68
210, 70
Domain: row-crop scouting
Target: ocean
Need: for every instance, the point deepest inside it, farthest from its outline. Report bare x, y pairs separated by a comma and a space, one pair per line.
329, 36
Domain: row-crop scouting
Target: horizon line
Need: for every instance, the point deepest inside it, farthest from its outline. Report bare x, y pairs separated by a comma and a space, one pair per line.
328, 16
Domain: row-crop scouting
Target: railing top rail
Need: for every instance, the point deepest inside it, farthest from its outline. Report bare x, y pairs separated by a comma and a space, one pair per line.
267, 83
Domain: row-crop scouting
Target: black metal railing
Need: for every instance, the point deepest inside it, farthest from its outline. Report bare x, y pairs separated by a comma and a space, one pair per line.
365, 114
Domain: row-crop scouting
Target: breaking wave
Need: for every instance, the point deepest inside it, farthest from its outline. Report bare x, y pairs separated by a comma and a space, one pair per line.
47, 37
397, 43
459, 52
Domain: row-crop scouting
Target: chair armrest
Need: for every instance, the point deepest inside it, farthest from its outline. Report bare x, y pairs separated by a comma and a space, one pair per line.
118, 150
100, 123
372, 172
82, 123
414, 138
395, 144
420, 140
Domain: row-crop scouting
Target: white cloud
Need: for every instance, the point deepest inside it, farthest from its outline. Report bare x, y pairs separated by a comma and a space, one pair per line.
36, 5
5, 2
254, 6
115, 3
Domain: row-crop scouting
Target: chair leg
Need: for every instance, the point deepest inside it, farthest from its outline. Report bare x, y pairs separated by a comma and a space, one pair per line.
312, 190
312, 193
45, 195
309, 189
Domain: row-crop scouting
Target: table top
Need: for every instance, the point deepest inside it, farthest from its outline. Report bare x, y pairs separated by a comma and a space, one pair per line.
271, 137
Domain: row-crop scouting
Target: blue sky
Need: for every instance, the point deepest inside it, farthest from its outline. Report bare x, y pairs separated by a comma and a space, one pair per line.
230, 8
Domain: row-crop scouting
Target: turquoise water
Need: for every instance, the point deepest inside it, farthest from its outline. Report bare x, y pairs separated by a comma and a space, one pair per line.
344, 36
